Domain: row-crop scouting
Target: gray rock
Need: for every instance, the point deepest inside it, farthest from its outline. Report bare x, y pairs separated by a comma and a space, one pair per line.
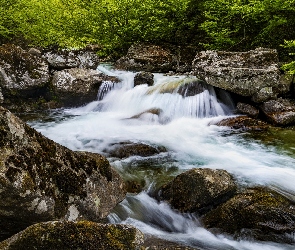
144, 78
21, 73
66, 59
198, 190
247, 109
253, 74
41, 180
77, 86
279, 112
257, 213
35, 52
76, 235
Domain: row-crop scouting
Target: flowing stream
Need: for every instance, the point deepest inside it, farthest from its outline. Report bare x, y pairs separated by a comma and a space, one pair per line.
183, 125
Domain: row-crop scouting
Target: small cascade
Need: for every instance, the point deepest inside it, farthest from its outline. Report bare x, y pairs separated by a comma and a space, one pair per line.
183, 97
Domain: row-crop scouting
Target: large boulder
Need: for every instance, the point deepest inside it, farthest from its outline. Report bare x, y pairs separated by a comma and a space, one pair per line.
41, 180
253, 74
22, 75
258, 213
279, 112
78, 86
144, 78
66, 59
198, 190
154, 58
76, 235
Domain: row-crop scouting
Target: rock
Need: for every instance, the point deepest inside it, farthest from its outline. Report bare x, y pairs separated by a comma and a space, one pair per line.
144, 78
253, 74
22, 75
152, 111
76, 235
198, 190
192, 88
243, 123
35, 52
153, 243
66, 59
247, 109
77, 86
258, 212
127, 149
141, 57
41, 180
279, 112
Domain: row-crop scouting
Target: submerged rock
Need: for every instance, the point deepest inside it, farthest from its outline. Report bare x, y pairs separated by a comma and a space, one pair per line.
153, 243
198, 190
144, 78
76, 235
253, 74
257, 213
279, 112
127, 149
243, 123
41, 180
77, 86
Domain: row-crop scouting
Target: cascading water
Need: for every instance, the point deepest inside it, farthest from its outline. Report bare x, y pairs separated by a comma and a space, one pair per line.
172, 115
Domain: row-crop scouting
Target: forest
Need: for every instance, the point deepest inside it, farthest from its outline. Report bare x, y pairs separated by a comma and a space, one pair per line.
232, 25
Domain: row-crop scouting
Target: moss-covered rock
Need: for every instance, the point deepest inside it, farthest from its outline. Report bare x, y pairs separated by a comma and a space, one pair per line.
257, 213
24, 77
198, 190
41, 180
75, 235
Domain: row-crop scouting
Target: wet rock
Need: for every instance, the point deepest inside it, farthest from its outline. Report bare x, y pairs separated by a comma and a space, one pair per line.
257, 213
144, 78
134, 186
280, 112
66, 59
77, 86
76, 235
22, 74
127, 149
253, 74
153, 111
244, 123
198, 190
41, 180
192, 88
247, 109
153, 243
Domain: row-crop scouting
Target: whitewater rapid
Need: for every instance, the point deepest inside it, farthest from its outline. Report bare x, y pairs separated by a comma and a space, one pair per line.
185, 129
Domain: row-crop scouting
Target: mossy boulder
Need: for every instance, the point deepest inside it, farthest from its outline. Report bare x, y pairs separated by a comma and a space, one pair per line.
258, 213
198, 190
23, 76
254, 74
243, 123
41, 180
75, 235
78, 86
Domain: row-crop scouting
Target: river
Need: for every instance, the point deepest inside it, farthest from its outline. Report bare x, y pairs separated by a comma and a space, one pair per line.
185, 128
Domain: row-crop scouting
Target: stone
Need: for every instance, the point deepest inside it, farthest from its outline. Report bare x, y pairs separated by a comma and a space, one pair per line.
35, 52
243, 123
77, 86
247, 109
144, 78
76, 235
258, 213
198, 190
254, 74
41, 180
22, 74
127, 149
66, 59
279, 112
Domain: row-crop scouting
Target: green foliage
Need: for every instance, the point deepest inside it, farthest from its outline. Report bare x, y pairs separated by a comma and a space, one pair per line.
290, 67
